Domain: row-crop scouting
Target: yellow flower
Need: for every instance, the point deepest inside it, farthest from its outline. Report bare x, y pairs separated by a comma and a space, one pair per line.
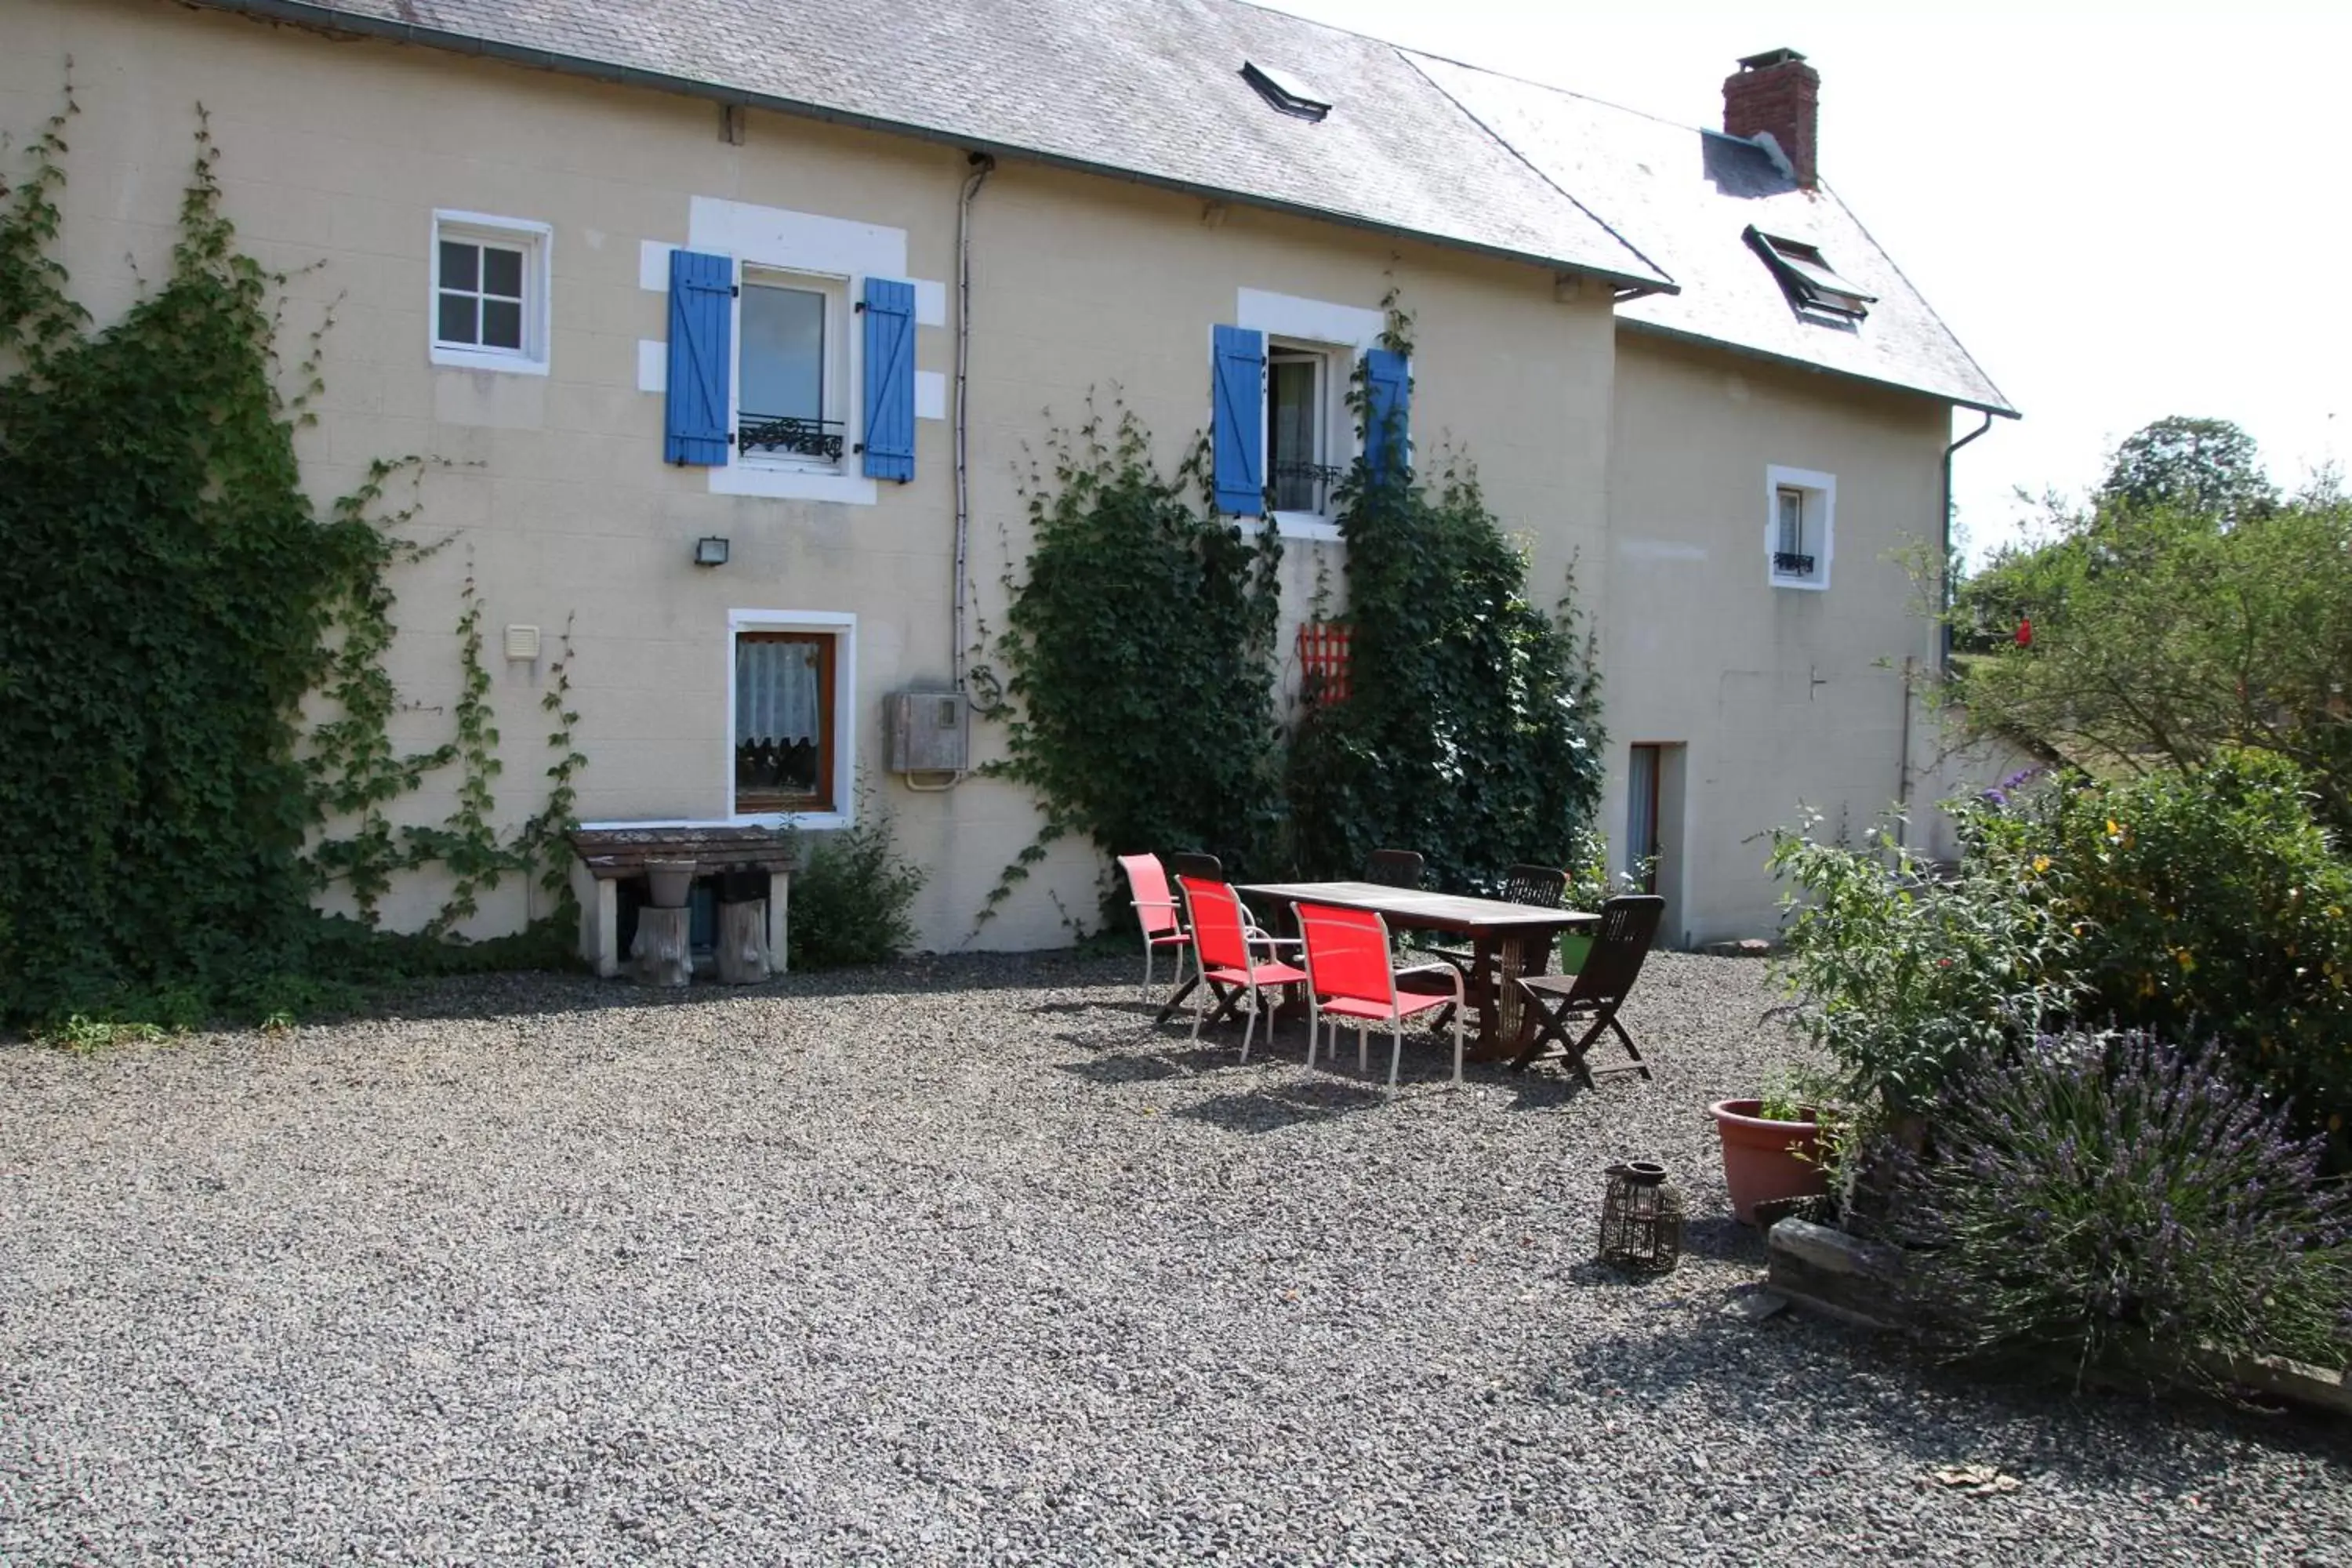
2183, 956
2041, 863
2114, 828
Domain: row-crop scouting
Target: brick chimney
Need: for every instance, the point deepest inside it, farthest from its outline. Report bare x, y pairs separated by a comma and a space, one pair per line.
1777, 94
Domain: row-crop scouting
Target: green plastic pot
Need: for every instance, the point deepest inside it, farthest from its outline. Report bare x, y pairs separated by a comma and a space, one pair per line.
1575, 947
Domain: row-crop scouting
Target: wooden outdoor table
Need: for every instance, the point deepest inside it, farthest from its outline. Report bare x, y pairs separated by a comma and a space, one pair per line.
1509, 939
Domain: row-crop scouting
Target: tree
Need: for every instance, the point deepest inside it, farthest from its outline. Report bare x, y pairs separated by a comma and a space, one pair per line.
2160, 637
2208, 467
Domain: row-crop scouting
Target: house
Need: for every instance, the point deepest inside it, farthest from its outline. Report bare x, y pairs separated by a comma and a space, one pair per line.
733, 321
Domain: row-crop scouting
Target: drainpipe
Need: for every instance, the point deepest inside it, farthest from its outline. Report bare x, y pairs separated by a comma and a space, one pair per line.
982, 165
1944, 556
1943, 634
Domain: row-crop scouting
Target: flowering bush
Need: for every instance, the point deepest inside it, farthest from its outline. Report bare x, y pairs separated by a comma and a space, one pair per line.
2211, 908
1903, 977
2103, 1197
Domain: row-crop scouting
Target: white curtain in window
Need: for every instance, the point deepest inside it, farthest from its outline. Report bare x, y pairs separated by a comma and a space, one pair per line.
775, 692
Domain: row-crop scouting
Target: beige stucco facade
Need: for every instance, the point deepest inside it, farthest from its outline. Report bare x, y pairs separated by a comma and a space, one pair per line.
1643, 462
1769, 698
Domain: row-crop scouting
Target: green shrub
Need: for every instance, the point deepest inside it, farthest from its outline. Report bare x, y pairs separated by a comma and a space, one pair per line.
2213, 911
2104, 1199
1905, 978
1470, 732
1137, 658
850, 897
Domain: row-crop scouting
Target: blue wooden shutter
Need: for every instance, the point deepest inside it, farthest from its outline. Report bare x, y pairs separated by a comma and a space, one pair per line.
701, 356
1237, 421
889, 380
1388, 412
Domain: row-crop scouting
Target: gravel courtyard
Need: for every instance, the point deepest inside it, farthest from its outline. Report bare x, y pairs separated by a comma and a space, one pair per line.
960, 1261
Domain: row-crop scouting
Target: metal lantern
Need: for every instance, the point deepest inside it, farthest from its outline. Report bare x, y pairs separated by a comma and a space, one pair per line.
1641, 1219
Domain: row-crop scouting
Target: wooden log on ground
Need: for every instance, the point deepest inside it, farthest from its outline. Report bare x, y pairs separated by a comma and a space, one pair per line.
743, 942
661, 954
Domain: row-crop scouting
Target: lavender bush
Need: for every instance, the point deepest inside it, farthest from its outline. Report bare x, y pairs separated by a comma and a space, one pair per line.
2103, 1197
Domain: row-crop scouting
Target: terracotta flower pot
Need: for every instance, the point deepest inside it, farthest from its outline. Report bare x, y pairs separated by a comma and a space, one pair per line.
1764, 1160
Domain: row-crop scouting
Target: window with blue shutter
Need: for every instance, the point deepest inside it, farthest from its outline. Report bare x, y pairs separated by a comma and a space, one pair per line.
1388, 398
1237, 420
889, 379
701, 356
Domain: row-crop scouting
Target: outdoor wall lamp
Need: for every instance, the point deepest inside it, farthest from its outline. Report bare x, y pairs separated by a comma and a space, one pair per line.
710, 551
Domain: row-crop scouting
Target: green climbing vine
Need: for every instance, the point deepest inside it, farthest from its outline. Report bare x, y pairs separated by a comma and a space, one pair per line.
1139, 691
1470, 732
1140, 674
174, 601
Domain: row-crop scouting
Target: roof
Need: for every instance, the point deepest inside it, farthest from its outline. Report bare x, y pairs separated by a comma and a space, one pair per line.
1152, 90
1687, 198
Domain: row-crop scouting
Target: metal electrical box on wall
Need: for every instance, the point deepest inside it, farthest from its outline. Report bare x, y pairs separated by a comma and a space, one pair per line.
928, 732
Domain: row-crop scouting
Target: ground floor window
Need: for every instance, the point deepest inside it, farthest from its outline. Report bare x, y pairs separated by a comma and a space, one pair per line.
785, 722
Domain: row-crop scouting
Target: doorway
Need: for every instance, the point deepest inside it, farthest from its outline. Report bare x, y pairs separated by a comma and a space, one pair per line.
1653, 824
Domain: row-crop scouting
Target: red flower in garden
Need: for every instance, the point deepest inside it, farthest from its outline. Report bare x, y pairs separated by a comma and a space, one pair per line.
2025, 631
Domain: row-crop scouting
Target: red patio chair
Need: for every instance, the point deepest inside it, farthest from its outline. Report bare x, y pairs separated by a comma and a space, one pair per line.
1223, 938
1350, 976
1155, 908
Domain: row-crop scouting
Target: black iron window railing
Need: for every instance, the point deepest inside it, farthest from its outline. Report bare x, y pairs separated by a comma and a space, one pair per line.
1788, 563
791, 434
1302, 487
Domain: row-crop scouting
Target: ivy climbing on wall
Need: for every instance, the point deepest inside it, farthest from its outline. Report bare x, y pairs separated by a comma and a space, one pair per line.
1472, 728
1139, 677
172, 597
1138, 696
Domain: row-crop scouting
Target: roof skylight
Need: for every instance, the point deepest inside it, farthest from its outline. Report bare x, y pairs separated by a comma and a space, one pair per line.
1812, 284
1286, 92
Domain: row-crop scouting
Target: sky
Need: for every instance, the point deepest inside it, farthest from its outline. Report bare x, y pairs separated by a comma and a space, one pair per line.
2123, 212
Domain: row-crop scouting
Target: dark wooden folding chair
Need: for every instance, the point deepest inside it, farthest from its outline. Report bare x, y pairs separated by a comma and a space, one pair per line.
1208, 868
1629, 924
1393, 867
1542, 886
1194, 863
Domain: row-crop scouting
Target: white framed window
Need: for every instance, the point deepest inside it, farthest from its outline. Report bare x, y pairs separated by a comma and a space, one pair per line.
1800, 530
791, 740
1312, 347
793, 371
1308, 443
490, 297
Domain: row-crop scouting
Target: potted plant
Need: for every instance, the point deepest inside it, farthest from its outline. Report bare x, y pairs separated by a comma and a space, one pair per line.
1590, 884
1771, 1150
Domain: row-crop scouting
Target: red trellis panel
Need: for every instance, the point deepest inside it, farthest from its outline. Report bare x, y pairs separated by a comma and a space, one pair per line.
1323, 659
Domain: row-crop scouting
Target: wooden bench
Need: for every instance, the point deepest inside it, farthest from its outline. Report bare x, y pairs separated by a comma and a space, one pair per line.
605, 857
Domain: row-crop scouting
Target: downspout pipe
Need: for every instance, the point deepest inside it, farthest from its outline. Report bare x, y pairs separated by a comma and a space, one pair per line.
1943, 633
982, 165
1944, 554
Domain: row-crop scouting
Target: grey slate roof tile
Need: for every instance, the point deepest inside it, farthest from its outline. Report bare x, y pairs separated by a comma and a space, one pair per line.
1152, 89
1686, 198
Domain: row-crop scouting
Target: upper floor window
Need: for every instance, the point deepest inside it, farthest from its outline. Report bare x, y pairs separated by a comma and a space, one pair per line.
489, 292
791, 402
1301, 452
1798, 533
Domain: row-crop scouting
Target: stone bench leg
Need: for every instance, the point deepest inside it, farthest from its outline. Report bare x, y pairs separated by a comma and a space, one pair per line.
780, 885
600, 921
